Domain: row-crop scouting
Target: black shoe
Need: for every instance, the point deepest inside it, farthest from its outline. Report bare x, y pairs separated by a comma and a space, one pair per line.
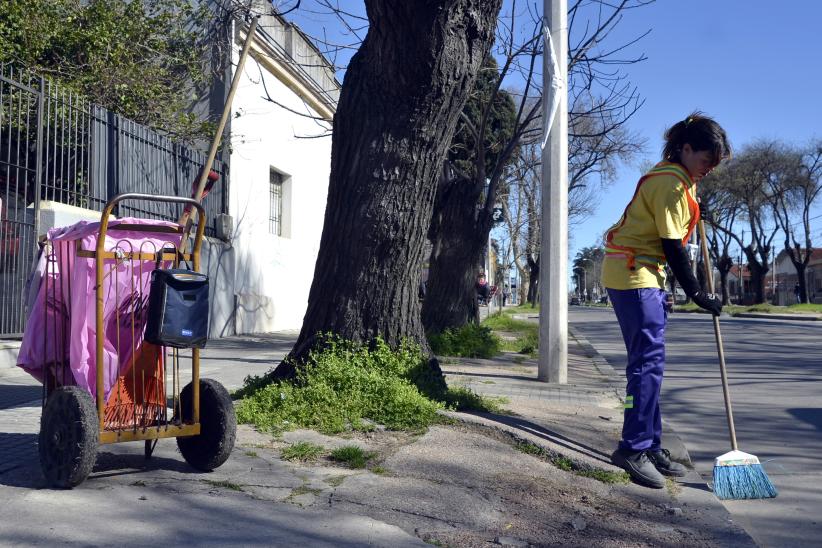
639, 467
661, 458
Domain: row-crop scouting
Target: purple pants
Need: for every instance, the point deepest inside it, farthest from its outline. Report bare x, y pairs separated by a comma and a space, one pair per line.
642, 317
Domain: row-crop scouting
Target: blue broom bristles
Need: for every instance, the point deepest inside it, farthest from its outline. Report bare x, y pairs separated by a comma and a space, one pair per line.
740, 482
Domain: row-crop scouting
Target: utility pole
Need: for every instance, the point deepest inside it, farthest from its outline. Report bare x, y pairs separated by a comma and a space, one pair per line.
553, 283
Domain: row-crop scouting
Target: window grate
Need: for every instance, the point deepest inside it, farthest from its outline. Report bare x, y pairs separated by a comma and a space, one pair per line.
275, 215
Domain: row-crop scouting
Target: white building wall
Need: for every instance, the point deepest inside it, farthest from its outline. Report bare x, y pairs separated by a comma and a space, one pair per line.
273, 273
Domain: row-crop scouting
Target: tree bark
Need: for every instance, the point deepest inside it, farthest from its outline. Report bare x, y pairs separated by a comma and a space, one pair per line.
803, 281
458, 240
758, 272
724, 267
403, 92
533, 281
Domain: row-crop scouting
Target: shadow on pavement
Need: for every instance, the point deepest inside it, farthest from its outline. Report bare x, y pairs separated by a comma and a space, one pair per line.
15, 395
810, 415
526, 426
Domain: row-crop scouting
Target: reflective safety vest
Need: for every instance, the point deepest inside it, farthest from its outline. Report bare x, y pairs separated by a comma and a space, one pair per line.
631, 256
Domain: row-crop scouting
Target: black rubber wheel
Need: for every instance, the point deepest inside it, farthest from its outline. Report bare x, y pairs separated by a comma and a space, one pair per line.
218, 426
68, 437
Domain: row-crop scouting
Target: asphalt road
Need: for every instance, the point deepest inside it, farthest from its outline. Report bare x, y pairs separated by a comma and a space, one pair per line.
775, 372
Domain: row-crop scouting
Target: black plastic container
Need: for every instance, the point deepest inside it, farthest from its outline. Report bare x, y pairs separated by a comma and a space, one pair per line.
178, 309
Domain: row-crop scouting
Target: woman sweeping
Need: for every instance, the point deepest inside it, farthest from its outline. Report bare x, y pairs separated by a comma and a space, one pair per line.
654, 230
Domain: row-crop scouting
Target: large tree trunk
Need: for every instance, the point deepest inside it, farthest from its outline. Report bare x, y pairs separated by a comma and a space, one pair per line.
403, 92
533, 281
724, 267
459, 236
757, 281
803, 281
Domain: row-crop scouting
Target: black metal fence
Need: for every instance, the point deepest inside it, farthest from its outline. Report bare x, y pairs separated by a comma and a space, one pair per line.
55, 145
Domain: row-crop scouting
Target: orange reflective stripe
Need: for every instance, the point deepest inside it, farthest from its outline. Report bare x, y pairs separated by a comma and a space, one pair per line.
663, 168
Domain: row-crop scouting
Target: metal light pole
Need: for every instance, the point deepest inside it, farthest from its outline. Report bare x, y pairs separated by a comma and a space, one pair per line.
553, 281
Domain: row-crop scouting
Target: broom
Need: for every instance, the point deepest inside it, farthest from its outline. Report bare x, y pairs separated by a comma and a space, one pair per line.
737, 475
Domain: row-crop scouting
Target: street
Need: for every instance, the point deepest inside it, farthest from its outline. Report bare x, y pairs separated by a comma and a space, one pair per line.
775, 373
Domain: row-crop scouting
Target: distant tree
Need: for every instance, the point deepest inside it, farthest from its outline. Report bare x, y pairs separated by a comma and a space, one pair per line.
792, 195
600, 105
721, 209
746, 178
590, 260
488, 132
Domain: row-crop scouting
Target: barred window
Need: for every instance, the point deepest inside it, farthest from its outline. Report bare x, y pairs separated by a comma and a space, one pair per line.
275, 216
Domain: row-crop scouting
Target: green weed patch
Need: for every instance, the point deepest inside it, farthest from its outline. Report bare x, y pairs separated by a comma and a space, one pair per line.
302, 451
352, 456
526, 333
344, 384
469, 341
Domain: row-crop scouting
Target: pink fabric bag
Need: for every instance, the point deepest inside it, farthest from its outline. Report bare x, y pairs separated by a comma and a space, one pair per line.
61, 326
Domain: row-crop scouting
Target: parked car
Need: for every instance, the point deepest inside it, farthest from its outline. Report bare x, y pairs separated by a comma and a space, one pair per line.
574, 301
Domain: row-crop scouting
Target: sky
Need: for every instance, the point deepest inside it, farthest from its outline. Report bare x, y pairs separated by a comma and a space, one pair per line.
753, 65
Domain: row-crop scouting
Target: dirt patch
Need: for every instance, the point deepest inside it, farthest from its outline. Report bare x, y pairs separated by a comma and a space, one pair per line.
458, 486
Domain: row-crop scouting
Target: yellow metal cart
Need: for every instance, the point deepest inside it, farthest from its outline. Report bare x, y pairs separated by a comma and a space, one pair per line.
136, 393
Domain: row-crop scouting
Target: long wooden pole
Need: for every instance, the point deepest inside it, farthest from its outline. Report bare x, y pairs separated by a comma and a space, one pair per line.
706, 259
215, 143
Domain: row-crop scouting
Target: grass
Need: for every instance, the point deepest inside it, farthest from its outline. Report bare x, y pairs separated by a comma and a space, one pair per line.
469, 341
251, 454
815, 308
303, 490
766, 308
566, 464
526, 333
302, 451
521, 309
225, 484
342, 385
352, 456
351, 387
460, 398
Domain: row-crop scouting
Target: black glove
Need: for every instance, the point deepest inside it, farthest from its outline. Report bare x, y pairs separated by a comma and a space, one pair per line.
709, 301
705, 213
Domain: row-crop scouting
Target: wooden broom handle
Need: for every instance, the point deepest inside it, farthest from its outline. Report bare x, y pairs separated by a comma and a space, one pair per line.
706, 260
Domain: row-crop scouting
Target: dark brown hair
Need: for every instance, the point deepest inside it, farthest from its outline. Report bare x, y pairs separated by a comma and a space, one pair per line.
699, 131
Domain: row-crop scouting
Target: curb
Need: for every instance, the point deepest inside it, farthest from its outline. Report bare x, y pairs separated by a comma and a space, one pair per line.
797, 317
8, 356
580, 462
600, 363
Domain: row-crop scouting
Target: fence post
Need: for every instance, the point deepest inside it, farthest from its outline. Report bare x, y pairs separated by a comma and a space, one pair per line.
38, 166
113, 154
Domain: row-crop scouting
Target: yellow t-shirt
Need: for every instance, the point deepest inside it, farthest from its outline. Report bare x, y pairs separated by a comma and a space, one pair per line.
663, 207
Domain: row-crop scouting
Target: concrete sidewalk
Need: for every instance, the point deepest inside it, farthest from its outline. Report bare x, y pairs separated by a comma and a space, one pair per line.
581, 421
459, 485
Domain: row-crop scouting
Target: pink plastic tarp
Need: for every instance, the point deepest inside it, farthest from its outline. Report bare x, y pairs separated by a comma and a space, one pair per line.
61, 326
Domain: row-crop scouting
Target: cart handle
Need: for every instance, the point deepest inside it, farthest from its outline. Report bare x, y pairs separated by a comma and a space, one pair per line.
152, 198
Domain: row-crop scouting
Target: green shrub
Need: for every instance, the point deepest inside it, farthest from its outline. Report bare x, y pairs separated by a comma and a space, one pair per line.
469, 341
344, 383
